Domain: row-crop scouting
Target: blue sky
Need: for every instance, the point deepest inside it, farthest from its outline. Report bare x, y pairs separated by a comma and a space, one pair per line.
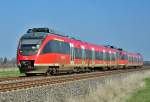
123, 23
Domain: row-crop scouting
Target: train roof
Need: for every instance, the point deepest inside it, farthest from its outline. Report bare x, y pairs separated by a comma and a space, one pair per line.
41, 33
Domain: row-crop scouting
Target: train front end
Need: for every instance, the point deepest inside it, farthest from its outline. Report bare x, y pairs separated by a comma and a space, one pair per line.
29, 49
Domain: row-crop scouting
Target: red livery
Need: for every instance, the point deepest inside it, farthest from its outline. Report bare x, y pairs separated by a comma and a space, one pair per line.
41, 50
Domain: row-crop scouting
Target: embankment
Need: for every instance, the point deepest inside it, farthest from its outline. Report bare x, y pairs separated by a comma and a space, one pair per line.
112, 88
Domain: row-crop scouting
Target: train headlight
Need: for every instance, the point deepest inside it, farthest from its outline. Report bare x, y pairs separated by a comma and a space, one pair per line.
33, 47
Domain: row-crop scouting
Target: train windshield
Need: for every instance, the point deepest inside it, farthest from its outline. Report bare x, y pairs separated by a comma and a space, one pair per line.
29, 46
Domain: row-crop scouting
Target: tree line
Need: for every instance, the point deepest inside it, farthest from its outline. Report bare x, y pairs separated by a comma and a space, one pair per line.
7, 62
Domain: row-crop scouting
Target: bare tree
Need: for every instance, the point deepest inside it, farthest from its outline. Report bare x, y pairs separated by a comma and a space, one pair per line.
5, 61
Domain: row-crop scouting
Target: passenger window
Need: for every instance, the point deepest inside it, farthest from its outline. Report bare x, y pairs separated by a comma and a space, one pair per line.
104, 56
77, 53
113, 57
56, 47
107, 56
101, 55
87, 53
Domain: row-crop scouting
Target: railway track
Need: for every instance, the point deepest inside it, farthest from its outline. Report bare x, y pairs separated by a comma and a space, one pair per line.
27, 82
20, 78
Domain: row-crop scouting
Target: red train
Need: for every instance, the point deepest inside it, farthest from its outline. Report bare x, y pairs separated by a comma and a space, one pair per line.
44, 51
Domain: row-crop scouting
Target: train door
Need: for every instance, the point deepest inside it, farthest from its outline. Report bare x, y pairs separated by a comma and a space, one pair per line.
93, 56
72, 53
83, 55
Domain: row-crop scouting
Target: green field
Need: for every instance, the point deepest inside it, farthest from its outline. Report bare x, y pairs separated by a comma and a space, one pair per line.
9, 72
142, 95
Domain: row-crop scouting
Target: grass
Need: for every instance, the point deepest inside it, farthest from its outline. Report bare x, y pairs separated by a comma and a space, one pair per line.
9, 72
142, 95
117, 90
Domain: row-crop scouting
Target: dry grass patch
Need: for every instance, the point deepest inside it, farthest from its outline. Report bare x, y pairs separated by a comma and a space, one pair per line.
116, 90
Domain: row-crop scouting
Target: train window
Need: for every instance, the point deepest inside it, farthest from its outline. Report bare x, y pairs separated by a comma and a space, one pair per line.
104, 56
83, 54
110, 56
113, 57
135, 59
87, 53
90, 54
107, 56
123, 57
77, 53
101, 55
130, 59
29, 46
56, 47
65, 48
47, 48
117, 54
96, 55
140, 59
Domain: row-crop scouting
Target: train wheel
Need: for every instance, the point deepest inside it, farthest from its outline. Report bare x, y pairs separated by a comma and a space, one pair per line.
92, 69
54, 71
47, 72
86, 69
51, 71
77, 70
